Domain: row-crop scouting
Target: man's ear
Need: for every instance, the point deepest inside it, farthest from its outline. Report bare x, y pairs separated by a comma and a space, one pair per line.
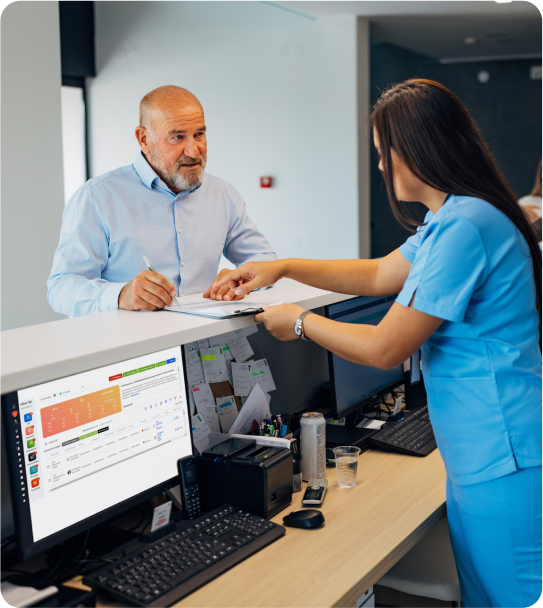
142, 135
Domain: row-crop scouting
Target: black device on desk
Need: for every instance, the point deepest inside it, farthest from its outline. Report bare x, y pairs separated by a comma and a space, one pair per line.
254, 478
352, 386
413, 435
85, 448
189, 487
167, 570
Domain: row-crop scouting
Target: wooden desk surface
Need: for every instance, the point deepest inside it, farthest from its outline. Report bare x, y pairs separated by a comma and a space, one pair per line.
368, 528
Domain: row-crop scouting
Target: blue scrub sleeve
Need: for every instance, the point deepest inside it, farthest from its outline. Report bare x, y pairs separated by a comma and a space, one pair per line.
451, 263
410, 247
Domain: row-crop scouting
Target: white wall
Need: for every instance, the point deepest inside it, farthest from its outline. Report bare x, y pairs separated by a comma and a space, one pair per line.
279, 94
32, 183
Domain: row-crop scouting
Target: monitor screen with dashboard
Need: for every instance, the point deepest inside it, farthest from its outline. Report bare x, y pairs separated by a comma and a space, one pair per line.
355, 386
84, 448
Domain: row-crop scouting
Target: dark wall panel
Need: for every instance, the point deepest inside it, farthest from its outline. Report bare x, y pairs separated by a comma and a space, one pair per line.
77, 39
507, 109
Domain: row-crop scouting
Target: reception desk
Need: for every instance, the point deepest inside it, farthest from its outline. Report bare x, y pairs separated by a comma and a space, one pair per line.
368, 528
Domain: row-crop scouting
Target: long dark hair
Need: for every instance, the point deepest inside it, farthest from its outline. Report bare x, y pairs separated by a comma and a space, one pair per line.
538, 186
432, 132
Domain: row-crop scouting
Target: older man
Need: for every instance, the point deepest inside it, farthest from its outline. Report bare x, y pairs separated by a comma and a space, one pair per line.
162, 206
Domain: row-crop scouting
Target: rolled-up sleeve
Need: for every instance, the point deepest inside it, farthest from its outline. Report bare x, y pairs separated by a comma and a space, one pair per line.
75, 286
244, 241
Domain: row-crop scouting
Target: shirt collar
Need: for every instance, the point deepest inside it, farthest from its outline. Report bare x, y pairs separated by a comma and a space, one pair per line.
149, 177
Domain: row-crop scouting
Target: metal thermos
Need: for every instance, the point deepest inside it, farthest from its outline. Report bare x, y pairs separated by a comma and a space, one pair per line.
313, 444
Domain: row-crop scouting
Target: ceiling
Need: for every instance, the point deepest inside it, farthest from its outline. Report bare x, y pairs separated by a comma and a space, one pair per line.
439, 28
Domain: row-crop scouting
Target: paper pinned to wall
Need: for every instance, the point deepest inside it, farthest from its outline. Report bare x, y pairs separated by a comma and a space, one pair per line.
246, 331
200, 433
214, 365
223, 338
228, 412
255, 408
190, 347
195, 371
203, 346
246, 375
241, 349
206, 407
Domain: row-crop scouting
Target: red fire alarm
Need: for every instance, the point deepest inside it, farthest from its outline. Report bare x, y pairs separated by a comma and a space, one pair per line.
266, 182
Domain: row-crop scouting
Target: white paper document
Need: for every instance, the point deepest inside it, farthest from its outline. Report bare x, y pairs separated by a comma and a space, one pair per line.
161, 516
190, 347
241, 349
203, 346
198, 305
206, 407
255, 408
214, 365
200, 433
246, 375
228, 412
195, 371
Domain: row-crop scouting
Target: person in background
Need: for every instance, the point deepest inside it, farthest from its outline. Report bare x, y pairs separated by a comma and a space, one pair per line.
531, 204
469, 283
162, 206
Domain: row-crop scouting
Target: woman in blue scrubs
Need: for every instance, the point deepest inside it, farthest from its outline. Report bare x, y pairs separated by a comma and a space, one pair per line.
470, 296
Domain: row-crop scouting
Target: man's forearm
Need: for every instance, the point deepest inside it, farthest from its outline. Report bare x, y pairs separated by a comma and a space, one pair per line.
75, 295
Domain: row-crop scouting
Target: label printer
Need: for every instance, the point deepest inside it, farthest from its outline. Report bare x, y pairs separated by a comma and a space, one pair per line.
241, 473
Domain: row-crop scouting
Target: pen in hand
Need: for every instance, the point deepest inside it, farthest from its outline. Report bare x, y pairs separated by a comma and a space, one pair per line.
150, 267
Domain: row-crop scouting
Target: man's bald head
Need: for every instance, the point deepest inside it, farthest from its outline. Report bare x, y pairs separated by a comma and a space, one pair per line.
163, 100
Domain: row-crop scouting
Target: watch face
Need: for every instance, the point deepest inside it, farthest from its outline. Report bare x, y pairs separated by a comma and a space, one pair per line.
297, 330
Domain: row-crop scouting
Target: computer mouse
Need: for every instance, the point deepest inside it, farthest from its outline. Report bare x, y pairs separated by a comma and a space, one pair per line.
308, 518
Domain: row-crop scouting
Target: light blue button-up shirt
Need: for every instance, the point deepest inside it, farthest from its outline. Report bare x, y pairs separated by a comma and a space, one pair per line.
482, 367
115, 219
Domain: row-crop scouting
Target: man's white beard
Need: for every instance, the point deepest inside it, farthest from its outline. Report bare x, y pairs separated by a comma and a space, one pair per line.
171, 174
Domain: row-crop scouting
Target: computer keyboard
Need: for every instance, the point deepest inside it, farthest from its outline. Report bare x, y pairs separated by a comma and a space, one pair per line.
163, 572
413, 435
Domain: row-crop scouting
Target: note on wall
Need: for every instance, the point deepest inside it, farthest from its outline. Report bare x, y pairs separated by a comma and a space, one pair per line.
190, 347
203, 346
200, 433
255, 408
246, 375
195, 371
241, 349
228, 412
206, 407
214, 365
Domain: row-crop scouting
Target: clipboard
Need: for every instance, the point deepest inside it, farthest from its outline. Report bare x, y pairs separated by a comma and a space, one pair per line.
215, 314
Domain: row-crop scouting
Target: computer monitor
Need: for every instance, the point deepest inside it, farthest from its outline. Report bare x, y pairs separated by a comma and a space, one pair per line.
84, 448
355, 386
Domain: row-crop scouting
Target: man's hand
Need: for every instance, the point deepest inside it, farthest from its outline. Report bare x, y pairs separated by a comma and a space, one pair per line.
148, 291
226, 292
279, 320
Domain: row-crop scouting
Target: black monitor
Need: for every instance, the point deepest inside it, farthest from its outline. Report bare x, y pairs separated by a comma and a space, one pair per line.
85, 448
355, 386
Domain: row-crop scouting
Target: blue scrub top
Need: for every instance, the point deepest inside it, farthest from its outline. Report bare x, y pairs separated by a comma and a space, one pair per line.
482, 367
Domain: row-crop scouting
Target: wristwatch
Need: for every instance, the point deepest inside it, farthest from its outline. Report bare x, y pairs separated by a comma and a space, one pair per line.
299, 325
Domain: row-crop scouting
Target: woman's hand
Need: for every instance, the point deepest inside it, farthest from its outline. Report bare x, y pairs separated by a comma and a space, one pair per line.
279, 320
249, 277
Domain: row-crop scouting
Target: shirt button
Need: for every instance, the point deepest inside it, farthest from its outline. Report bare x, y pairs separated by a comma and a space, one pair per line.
179, 231
182, 295
182, 263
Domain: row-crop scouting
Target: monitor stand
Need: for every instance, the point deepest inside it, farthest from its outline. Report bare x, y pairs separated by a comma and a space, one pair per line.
337, 436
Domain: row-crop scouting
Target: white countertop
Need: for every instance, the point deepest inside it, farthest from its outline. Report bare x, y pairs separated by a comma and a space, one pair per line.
40, 353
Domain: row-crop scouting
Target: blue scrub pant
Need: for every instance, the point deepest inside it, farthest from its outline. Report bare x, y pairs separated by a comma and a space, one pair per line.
495, 530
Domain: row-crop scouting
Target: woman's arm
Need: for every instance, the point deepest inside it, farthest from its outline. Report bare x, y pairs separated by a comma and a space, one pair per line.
401, 332
357, 277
